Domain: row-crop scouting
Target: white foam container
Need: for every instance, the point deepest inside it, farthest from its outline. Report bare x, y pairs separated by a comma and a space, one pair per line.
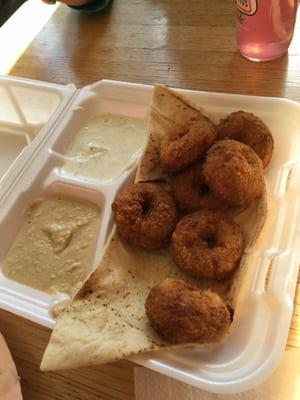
264, 309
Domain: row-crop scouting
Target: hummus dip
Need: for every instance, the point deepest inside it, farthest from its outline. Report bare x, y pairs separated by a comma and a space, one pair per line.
53, 249
105, 147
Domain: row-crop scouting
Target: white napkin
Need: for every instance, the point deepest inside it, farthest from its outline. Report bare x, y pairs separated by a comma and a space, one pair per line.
9, 380
284, 384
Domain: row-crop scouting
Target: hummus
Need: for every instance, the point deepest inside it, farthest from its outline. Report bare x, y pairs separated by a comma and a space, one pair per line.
105, 147
52, 251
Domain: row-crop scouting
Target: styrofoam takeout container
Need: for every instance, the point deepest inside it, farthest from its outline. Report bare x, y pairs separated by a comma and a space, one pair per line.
264, 309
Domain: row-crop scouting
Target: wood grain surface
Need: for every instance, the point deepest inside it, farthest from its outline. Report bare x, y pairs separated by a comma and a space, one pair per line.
183, 44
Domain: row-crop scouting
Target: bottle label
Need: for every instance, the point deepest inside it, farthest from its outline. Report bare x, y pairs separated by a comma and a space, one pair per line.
248, 7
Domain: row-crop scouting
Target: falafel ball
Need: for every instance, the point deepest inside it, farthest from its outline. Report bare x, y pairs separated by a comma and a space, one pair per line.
234, 172
249, 129
207, 244
190, 146
145, 215
183, 314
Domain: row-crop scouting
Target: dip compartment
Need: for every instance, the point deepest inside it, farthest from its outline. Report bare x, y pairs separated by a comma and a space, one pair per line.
35, 304
26, 106
98, 134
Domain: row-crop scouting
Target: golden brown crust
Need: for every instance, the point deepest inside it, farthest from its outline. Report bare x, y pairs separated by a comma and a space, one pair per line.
190, 146
234, 172
249, 129
191, 193
207, 244
145, 215
182, 314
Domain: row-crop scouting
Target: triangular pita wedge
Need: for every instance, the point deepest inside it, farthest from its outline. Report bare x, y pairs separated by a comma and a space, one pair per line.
106, 320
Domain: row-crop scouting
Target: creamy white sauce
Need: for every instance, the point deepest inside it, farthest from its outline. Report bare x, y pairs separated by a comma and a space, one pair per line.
105, 147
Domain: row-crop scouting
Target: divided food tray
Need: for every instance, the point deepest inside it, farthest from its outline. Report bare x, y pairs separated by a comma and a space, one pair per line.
53, 114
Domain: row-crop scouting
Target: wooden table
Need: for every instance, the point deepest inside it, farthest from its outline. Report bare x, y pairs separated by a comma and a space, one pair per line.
189, 46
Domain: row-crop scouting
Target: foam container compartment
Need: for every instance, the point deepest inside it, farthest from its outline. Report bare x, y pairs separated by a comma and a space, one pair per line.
264, 309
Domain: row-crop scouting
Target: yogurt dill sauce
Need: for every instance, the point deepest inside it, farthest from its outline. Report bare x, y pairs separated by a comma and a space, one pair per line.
105, 147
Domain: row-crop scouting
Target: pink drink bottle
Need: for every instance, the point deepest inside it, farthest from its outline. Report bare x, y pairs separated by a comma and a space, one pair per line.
265, 27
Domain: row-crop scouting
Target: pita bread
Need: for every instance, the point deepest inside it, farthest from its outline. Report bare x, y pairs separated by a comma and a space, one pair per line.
106, 320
